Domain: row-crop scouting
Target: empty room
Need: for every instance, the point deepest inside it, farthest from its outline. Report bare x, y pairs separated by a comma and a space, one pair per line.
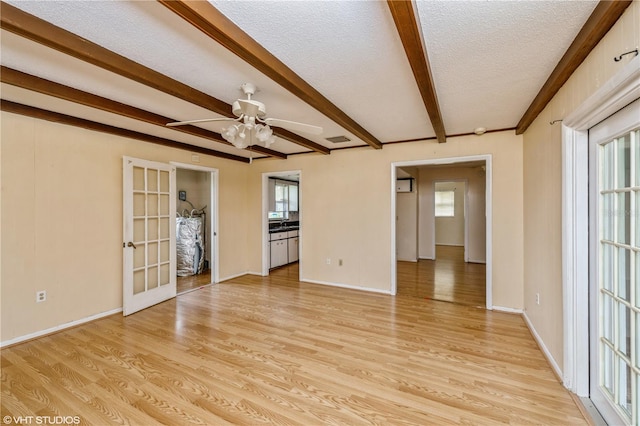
320, 212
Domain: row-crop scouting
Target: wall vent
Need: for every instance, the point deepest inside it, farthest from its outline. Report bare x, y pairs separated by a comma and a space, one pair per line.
339, 139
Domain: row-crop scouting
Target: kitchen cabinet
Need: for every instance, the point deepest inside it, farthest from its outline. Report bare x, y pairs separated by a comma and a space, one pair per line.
279, 248
283, 247
279, 253
293, 249
293, 197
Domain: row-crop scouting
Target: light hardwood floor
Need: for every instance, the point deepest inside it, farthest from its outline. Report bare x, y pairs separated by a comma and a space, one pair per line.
273, 350
448, 278
193, 281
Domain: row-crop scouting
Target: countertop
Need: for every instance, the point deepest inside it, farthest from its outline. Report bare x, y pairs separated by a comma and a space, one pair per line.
284, 229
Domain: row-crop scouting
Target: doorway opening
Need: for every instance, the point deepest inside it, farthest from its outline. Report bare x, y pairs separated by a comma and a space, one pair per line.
450, 224
196, 227
282, 223
450, 260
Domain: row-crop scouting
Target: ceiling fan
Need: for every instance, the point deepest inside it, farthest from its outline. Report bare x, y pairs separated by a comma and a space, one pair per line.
251, 122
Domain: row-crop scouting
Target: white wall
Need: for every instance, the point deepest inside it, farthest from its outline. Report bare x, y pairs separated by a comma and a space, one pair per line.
450, 230
476, 209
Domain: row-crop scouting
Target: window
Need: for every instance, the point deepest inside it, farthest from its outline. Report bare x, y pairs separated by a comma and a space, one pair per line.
445, 203
284, 201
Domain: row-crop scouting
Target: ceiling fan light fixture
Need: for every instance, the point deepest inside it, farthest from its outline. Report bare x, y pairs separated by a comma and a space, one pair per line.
263, 133
251, 124
241, 135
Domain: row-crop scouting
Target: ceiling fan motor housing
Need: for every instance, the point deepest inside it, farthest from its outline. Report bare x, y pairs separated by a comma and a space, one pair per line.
249, 107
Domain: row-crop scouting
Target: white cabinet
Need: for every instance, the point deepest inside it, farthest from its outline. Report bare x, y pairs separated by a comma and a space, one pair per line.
293, 249
279, 249
283, 248
278, 236
293, 197
279, 253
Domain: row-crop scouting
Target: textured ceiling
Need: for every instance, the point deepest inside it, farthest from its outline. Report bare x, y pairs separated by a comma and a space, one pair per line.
488, 59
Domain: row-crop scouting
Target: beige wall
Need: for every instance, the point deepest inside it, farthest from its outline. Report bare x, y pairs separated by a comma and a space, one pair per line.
62, 220
543, 181
62, 216
346, 208
407, 225
475, 178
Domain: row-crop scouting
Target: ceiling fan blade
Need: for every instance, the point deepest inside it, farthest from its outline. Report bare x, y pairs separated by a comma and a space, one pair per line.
294, 126
203, 120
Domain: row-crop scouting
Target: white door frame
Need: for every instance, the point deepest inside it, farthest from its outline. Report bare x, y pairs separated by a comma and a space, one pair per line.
213, 195
487, 158
265, 218
622, 89
466, 215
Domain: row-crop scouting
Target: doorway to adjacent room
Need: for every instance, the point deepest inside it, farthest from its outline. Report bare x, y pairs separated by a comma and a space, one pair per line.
196, 224
438, 254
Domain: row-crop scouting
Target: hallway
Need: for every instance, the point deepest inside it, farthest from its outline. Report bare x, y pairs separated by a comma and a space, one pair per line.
448, 278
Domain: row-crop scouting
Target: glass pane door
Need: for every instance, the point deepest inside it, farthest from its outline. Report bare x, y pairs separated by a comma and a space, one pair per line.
615, 348
149, 234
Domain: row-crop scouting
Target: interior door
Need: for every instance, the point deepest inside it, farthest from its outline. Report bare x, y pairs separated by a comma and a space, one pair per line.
614, 162
149, 233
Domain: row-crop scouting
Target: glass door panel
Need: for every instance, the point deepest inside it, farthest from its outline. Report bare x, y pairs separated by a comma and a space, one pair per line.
615, 206
149, 239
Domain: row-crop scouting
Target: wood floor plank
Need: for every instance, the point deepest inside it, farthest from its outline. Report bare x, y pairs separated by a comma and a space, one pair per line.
274, 350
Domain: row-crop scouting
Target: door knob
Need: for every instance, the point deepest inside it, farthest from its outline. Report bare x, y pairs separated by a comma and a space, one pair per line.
130, 244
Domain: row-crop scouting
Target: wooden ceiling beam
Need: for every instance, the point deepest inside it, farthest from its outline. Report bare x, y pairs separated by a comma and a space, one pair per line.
405, 16
213, 23
33, 28
50, 88
42, 114
603, 17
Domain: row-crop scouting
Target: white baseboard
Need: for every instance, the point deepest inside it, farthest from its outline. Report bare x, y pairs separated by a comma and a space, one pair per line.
58, 328
351, 287
477, 261
407, 260
427, 258
507, 310
230, 277
540, 342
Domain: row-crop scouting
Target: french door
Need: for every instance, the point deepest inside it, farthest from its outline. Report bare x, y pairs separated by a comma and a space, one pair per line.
614, 163
149, 229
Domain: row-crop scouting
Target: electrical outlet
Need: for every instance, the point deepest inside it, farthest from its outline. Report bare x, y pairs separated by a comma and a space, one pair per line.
328, 261
537, 298
41, 296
